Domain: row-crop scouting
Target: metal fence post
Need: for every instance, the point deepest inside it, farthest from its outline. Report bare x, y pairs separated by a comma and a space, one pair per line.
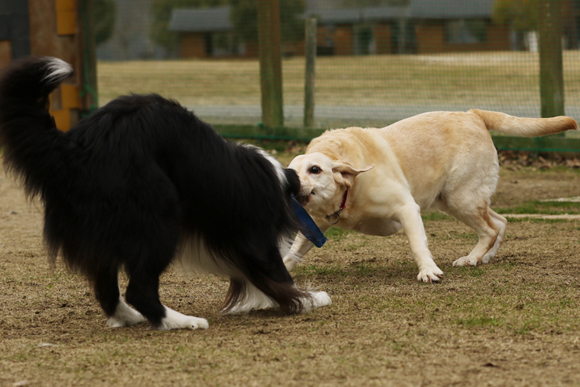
551, 73
269, 43
310, 71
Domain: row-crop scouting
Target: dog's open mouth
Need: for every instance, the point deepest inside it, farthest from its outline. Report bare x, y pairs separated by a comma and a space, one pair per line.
304, 199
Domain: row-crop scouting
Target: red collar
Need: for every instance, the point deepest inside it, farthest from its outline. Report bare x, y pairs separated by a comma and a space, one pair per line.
334, 218
343, 205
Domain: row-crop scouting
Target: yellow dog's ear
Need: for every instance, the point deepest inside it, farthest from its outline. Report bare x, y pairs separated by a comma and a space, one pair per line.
344, 173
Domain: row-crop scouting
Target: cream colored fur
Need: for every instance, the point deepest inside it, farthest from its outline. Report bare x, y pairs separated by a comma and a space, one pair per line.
445, 160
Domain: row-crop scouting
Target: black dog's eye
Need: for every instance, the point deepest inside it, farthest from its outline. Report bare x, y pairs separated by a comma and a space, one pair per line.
315, 169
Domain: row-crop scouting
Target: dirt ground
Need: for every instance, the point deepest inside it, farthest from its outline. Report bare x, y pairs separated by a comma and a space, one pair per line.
514, 322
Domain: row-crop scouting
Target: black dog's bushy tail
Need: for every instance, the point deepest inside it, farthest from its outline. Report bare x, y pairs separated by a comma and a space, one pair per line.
264, 269
34, 149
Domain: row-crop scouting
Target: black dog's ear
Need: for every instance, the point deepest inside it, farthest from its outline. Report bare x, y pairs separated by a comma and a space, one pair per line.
293, 186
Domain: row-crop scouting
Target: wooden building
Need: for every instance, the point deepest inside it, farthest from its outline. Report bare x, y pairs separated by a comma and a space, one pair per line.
422, 26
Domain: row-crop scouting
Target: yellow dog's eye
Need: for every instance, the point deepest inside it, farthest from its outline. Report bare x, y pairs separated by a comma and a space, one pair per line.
315, 169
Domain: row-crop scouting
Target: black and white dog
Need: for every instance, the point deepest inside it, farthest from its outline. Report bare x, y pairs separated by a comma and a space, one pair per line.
142, 182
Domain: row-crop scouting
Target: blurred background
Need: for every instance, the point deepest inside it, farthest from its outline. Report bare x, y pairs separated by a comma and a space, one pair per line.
376, 62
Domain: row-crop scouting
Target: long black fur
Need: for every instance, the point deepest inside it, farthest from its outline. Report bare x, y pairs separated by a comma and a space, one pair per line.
130, 183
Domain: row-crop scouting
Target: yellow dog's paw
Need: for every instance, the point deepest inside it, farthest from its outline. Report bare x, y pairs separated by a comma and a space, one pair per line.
466, 261
430, 274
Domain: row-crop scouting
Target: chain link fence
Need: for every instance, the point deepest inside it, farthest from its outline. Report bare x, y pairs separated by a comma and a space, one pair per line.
378, 61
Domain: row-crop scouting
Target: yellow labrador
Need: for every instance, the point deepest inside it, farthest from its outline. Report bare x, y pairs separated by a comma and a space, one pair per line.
377, 181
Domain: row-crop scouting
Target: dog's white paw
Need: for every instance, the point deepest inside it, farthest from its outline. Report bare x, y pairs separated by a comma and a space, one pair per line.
125, 316
466, 261
115, 322
430, 274
176, 320
316, 300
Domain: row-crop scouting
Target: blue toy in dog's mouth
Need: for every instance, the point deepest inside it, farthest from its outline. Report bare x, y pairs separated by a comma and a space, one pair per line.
309, 229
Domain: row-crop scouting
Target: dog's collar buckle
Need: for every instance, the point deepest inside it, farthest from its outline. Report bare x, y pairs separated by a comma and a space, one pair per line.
334, 218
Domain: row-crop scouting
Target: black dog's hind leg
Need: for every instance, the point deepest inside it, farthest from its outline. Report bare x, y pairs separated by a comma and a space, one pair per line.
119, 314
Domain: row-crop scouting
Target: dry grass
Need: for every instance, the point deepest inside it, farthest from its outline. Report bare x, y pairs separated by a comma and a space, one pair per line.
514, 322
476, 79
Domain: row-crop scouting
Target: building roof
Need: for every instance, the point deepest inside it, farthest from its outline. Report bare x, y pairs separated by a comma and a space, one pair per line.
356, 15
450, 9
217, 19
201, 20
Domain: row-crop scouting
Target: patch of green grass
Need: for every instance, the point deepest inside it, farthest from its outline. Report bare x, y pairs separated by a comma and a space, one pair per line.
541, 207
434, 216
355, 246
476, 272
362, 269
20, 356
526, 327
314, 270
337, 233
471, 271
481, 322
538, 220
